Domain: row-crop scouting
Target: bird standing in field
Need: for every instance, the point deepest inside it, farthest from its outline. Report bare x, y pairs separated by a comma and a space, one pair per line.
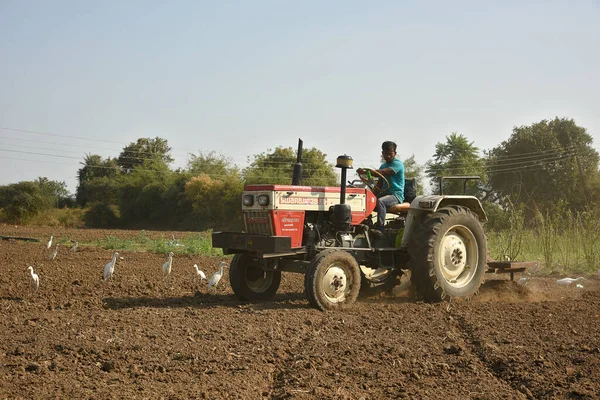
75, 246
166, 268
214, 280
568, 281
109, 269
523, 281
199, 272
34, 279
49, 244
54, 253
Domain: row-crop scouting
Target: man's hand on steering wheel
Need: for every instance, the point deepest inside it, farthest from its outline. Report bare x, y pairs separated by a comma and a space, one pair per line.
374, 179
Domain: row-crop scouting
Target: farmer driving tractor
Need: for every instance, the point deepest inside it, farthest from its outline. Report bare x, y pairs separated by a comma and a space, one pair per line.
390, 185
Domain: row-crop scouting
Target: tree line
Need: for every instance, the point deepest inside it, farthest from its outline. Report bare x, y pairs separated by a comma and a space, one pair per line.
539, 166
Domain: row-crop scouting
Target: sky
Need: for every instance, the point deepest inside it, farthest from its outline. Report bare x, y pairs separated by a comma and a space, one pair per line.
242, 77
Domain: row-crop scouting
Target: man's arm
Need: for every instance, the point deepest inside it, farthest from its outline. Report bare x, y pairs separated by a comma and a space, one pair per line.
387, 172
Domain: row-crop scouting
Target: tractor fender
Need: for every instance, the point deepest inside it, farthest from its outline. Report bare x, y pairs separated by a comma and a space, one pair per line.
423, 205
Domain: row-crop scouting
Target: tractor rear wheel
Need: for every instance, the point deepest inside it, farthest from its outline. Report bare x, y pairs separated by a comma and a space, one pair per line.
332, 280
250, 282
448, 254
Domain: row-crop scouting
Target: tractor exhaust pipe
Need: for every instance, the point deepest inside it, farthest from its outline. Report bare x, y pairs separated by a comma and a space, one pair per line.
342, 213
297, 171
344, 162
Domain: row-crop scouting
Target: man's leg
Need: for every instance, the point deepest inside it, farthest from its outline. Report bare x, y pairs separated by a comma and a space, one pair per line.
382, 204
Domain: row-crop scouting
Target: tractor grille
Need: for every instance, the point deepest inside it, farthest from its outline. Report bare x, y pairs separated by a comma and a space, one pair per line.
258, 222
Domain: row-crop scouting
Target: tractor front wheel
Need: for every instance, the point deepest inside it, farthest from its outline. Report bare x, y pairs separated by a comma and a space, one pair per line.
332, 280
448, 254
250, 282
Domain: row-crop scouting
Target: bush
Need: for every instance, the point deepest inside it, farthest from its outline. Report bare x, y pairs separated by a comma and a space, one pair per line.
101, 215
215, 203
66, 217
22, 201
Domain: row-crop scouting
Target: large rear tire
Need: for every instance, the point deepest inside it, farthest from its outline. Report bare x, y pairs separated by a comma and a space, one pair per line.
332, 280
448, 255
250, 282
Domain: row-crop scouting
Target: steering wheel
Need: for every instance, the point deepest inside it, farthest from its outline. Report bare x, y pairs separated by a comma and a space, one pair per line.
371, 177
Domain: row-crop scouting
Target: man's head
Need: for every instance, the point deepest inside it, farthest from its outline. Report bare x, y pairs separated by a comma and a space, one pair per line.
388, 151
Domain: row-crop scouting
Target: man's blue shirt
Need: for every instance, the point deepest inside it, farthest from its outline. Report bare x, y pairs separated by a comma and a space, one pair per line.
396, 180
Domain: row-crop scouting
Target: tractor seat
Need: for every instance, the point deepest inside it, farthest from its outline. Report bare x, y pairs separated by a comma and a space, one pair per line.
399, 208
410, 192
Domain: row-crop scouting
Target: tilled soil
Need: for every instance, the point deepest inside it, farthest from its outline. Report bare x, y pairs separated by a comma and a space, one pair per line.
142, 337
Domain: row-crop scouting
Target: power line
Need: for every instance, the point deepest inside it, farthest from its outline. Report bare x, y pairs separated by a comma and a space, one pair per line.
40, 154
187, 152
506, 168
495, 165
264, 163
509, 167
515, 157
56, 135
37, 161
83, 138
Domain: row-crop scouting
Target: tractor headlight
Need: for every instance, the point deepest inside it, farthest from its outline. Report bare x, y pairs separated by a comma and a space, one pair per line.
263, 200
248, 200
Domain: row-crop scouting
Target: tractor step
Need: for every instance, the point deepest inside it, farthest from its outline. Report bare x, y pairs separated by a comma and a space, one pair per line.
500, 267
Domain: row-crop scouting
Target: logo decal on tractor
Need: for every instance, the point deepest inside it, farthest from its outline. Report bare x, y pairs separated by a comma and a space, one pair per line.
303, 200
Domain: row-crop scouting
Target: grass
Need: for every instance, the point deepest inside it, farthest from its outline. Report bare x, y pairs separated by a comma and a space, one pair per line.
561, 241
196, 243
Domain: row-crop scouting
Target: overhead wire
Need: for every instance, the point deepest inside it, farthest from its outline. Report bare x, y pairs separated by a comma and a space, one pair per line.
271, 161
494, 165
521, 166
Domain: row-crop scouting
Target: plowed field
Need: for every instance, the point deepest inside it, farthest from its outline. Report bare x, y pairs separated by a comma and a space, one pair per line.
142, 337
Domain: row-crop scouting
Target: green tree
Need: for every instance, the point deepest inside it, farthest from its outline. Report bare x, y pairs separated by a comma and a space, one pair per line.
212, 164
56, 192
457, 156
148, 198
276, 167
103, 190
412, 169
544, 163
23, 200
215, 202
145, 151
94, 167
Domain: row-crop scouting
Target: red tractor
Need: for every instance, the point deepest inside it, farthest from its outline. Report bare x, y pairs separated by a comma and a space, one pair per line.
325, 233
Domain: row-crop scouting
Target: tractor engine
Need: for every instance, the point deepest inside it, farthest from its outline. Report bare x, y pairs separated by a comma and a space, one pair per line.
309, 215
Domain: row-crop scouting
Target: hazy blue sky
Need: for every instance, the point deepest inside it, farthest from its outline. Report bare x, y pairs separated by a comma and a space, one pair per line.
242, 77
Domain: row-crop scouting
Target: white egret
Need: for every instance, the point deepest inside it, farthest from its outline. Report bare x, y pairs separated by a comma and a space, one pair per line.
34, 280
568, 281
199, 272
50, 242
109, 268
55, 252
214, 280
166, 268
174, 242
75, 246
523, 281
